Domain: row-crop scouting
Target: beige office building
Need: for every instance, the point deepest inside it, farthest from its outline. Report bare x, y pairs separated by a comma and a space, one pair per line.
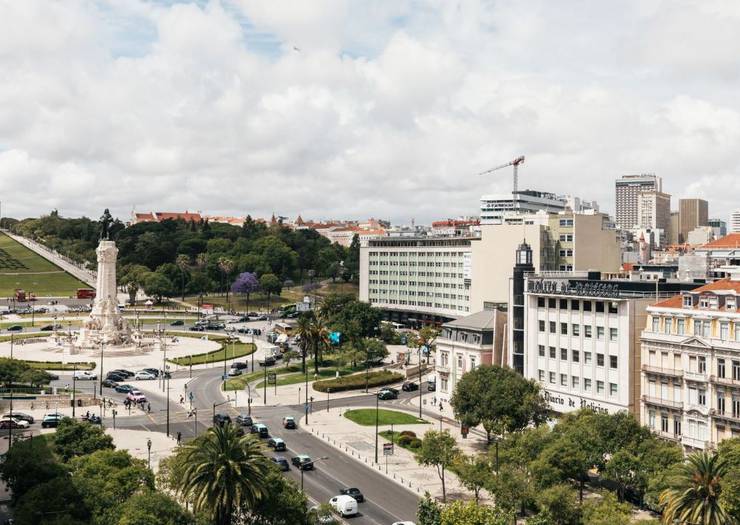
692, 213
654, 212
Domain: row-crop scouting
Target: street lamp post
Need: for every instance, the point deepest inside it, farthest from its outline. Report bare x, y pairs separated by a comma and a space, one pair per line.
101, 368
328, 391
149, 454
114, 412
228, 400
74, 388
195, 424
324, 458
306, 407
167, 378
420, 389
377, 411
264, 383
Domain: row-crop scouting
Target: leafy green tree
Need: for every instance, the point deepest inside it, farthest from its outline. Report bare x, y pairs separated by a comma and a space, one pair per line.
28, 464
226, 266
429, 512
333, 304
77, 438
352, 262
132, 279
439, 449
512, 490
474, 472
606, 510
153, 508
223, 473
625, 470
183, 263
695, 493
282, 504
158, 286
729, 451
270, 285
54, 502
559, 504
469, 513
499, 399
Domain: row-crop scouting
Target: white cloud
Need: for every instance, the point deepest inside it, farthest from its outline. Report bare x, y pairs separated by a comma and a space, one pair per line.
386, 109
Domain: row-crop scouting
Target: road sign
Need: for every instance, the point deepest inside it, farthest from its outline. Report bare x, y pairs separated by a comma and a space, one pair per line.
190, 395
387, 449
271, 378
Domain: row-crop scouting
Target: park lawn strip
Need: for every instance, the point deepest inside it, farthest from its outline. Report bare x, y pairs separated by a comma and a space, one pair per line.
393, 437
226, 352
58, 365
366, 417
357, 381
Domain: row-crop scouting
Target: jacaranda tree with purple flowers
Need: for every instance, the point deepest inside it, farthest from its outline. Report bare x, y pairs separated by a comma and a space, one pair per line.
246, 283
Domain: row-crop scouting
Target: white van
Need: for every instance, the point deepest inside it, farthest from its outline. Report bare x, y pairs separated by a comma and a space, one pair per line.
344, 505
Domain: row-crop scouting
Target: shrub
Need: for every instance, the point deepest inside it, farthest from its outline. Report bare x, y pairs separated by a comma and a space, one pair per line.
357, 381
404, 441
408, 433
415, 443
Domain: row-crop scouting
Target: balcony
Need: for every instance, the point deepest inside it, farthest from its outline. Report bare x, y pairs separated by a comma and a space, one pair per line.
668, 403
695, 443
672, 372
728, 417
725, 381
444, 369
695, 376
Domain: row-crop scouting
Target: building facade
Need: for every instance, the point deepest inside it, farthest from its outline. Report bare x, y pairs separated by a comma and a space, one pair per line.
654, 212
691, 366
466, 343
735, 221
627, 190
719, 227
691, 214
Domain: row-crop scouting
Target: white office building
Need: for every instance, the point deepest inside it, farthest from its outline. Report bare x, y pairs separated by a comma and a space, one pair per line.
735, 221
627, 196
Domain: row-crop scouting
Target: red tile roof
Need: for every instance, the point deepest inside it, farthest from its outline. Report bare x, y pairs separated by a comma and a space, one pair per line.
721, 285
731, 240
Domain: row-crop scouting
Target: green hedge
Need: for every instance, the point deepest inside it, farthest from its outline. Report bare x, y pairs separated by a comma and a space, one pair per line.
357, 381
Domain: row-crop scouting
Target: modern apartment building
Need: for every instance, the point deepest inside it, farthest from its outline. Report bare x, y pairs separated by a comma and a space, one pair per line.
654, 212
691, 214
417, 279
466, 343
735, 221
582, 337
719, 227
627, 189
691, 365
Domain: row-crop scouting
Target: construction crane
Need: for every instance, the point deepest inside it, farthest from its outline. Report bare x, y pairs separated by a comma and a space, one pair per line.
515, 163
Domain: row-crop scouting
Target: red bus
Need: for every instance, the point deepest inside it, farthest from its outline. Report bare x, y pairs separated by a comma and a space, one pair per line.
85, 293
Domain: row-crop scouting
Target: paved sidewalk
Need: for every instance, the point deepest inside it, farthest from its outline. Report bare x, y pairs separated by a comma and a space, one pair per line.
358, 442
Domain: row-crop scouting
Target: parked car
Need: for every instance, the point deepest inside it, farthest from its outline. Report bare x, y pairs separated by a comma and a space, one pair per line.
153, 371
85, 375
387, 394
143, 375
114, 376
15, 328
110, 383
302, 461
198, 328
13, 424
20, 415
282, 463
289, 422
92, 419
244, 420
136, 396
409, 386
431, 385
277, 443
267, 361
221, 419
239, 365
233, 372
123, 372
215, 326
177, 322
256, 331
50, 327
123, 389
344, 505
261, 430
51, 420
52, 376
354, 492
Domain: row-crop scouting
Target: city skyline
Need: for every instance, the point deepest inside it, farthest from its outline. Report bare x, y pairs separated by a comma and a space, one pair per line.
239, 107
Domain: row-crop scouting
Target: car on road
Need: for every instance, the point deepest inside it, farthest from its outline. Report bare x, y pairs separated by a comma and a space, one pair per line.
114, 376
289, 422
277, 443
409, 386
431, 385
267, 361
123, 372
137, 396
50, 327
52, 376
239, 365
177, 322
85, 375
51, 420
123, 389
233, 372
20, 416
153, 371
261, 430
198, 328
15, 328
282, 463
13, 424
215, 326
387, 393
221, 419
92, 419
143, 375
344, 505
302, 461
244, 420
354, 492
110, 383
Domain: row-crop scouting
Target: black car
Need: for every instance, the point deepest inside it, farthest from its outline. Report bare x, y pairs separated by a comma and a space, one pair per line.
178, 322
256, 331
110, 383
215, 326
115, 376
47, 328
15, 328
302, 461
282, 463
221, 419
388, 393
408, 386
239, 365
198, 328
267, 361
152, 371
123, 389
122, 372
52, 376
354, 492
20, 415
244, 420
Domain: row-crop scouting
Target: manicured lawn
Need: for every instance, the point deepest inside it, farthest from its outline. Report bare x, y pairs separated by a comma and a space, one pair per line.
227, 351
358, 381
366, 417
58, 365
394, 437
292, 379
22, 268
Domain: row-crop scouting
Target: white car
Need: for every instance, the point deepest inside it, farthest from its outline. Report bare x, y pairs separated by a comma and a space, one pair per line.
82, 375
344, 505
403, 523
142, 374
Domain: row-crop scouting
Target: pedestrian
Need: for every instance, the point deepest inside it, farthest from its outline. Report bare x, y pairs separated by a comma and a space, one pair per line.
148, 408
182, 399
179, 437
87, 415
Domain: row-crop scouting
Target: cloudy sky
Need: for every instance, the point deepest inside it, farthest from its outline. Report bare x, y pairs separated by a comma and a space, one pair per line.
333, 108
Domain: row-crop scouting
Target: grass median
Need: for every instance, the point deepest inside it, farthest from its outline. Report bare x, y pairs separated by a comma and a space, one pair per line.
358, 381
226, 352
366, 417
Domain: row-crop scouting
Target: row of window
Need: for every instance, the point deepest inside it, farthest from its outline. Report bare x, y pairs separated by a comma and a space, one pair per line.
413, 293
439, 275
575, 330
575, 383
578, 304
419, 283
437, 264
576, 356
699, 327
420, 303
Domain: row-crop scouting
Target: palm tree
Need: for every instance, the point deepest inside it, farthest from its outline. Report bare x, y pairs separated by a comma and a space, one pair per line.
223, 472
303, 329
183, 262
226, 265
694, 496
319, 340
